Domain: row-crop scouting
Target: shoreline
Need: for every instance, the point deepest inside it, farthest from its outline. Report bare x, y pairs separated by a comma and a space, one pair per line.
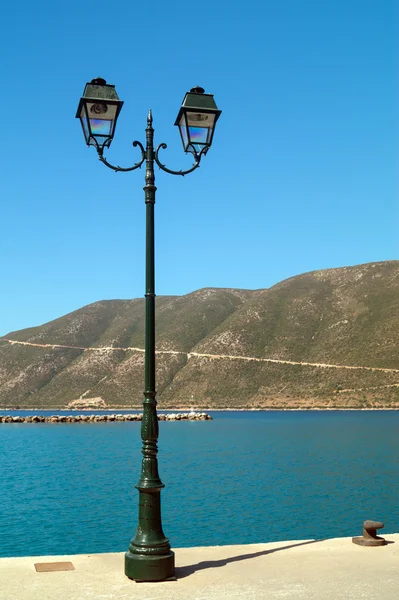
197, 410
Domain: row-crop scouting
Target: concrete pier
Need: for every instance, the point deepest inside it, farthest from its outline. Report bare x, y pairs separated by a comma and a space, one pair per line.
334, 569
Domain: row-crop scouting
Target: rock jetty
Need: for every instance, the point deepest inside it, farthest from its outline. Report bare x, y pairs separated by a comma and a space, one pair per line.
190, 416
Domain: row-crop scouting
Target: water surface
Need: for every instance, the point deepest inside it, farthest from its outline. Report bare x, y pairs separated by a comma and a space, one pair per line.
243, 477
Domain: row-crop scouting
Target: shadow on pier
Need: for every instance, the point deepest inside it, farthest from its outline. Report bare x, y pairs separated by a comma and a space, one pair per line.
181, 572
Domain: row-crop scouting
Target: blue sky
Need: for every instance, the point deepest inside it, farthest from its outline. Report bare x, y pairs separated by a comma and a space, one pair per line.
301, 175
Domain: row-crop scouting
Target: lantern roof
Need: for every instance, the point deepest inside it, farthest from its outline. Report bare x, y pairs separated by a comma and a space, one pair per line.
98, 89
197, 100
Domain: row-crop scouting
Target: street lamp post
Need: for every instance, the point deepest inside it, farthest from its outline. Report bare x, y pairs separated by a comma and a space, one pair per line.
149, 557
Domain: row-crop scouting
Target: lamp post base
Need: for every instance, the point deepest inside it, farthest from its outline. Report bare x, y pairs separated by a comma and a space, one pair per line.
141, 567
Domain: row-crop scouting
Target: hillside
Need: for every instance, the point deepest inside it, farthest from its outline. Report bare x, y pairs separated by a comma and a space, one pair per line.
222, 348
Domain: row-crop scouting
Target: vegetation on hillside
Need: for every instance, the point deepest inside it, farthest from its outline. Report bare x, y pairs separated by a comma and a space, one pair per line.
347, 316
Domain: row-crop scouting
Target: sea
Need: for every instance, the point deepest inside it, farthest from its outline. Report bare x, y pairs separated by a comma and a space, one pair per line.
244, 477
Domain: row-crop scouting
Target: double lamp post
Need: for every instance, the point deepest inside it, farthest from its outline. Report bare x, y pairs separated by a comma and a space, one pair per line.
149, 557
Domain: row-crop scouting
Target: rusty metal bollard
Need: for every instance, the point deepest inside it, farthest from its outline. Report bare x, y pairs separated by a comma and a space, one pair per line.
370, 537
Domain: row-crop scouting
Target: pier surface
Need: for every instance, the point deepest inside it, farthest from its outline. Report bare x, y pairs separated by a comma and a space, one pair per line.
334, 569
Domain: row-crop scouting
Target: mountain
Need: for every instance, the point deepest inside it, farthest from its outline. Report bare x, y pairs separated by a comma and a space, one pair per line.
321, 339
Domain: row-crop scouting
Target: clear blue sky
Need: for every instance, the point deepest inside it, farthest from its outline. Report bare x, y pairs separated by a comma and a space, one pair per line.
301, 175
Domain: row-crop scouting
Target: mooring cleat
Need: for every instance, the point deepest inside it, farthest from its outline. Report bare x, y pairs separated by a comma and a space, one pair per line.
370, 537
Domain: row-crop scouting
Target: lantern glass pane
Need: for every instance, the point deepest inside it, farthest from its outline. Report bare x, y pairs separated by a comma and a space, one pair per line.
100, 127
198, 135
101, 119
183, 131
85, 126
200, 126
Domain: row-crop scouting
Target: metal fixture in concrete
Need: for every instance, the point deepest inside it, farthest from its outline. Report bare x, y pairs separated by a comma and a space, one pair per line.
370, 537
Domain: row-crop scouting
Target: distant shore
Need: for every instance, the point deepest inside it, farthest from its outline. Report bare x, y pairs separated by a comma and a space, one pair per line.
199, 410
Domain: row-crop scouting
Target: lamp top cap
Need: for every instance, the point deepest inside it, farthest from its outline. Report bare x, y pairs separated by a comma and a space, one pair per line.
197, 90
98, 89
98, 81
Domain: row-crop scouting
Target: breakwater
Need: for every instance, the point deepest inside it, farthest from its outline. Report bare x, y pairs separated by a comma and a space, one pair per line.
190, 416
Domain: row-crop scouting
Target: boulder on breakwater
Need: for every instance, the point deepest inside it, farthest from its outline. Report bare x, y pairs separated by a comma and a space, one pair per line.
190, 416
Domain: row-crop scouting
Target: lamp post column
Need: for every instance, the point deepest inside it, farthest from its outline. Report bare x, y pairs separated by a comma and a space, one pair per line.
149, 557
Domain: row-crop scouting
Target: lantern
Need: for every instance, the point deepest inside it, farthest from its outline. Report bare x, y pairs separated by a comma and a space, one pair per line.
196, 120
98, 112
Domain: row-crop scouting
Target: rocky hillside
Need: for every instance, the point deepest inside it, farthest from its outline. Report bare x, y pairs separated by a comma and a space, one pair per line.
322, 339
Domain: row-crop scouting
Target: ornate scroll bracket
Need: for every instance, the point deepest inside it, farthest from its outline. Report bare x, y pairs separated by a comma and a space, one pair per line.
117, 168
197, 157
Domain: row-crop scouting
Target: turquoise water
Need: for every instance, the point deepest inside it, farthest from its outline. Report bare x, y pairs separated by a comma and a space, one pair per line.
243, 477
